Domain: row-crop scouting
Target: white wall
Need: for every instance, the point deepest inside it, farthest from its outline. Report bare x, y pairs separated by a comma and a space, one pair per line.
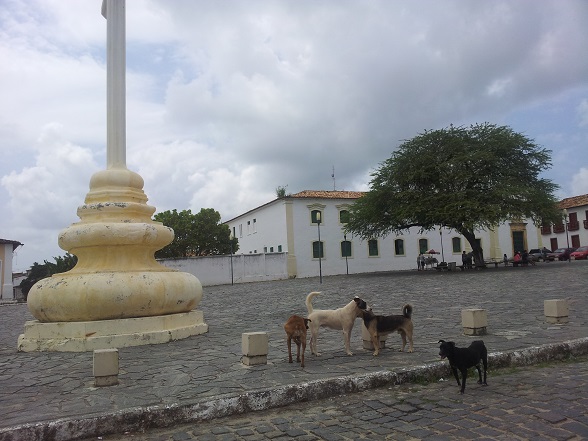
216, 270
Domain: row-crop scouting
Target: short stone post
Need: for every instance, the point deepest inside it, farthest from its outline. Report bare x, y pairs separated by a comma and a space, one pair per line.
105, 367
556, 311
254, 346
474, 321
367, 339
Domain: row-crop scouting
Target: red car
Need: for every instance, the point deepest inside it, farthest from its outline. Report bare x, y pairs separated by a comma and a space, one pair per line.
580, 253
560, 254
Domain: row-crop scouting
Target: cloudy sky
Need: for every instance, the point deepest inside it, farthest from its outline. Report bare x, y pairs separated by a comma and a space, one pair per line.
228, 100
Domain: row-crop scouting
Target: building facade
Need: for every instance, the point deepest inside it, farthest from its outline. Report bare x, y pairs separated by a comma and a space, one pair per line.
294, 223
7, 248
573, 231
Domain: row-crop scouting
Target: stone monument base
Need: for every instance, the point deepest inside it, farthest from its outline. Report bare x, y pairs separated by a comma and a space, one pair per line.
110, 334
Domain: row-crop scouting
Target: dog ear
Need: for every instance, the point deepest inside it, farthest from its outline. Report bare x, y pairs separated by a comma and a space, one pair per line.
441, 341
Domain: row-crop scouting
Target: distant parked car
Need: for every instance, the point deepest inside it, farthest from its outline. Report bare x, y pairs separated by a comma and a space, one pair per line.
560, 254
580, 253
538, 254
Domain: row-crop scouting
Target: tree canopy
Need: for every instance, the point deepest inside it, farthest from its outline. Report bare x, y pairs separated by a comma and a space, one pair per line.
38, 272
462, 178
198, 234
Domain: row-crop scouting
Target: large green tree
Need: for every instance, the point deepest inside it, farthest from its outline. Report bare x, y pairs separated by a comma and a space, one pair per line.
198, 234
462, 178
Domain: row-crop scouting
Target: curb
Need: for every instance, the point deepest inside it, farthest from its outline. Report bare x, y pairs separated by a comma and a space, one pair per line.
141, 418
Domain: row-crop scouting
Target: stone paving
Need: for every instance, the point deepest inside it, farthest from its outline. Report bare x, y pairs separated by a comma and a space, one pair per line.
43, 387
531, 403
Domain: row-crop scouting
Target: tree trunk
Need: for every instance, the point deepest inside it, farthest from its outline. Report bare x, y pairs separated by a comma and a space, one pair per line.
477, 251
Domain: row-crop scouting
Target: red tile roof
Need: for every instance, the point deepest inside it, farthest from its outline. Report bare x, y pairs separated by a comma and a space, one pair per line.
574, 201
325, 194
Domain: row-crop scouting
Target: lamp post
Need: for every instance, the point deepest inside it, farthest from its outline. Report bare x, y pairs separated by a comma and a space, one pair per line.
346, 254
441, 236
231, 243
320, 248
565, 213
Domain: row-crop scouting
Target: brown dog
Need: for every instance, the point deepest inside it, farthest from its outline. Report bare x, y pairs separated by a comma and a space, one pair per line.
295, 328
384, 324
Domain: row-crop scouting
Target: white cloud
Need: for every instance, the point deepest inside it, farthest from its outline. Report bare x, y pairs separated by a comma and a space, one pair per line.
583, 112
580, 182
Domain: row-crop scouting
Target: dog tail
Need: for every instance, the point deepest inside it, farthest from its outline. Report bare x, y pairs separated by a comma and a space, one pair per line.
309, 300
407, 311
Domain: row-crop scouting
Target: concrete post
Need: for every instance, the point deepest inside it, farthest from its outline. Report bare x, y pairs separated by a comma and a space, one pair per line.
474, 321
556, 311
105, 367
254, 346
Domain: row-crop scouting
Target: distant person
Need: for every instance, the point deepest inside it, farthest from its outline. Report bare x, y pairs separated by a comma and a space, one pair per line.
525, 258
516, 260
419, 262
423, 264
464, 259
505, 260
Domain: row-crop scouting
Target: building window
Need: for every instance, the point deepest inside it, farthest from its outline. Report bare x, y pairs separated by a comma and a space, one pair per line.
456, 244
423, 245
240, 230
265, 249
399, 247
373, 247
255, 225
316, 216
271, 249
345, 248
279, 248
317, 250
343, 216
248, 227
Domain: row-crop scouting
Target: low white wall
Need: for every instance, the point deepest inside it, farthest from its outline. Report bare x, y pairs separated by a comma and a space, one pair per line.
216, 270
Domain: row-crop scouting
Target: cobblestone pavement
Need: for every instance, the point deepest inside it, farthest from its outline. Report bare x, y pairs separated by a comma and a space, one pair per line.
533, 403
42, 387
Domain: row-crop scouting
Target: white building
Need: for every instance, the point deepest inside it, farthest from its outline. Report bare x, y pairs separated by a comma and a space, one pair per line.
574, 231
290, 224
7, 248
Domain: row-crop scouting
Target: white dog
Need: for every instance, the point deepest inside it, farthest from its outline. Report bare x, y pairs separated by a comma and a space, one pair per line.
342, 318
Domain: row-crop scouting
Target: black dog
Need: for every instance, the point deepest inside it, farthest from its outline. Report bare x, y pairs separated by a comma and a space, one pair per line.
464, 358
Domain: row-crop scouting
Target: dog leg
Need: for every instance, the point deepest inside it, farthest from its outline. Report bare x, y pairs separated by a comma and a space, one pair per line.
403, 335
485, 361
456, 375
479, 373
313, 340
289, 349
376, 343
464, 375
303, 349
347, 337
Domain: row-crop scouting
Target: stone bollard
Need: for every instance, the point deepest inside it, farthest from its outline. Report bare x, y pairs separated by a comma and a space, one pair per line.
254, 346
556, 311
105, 367
367, 339
474, 321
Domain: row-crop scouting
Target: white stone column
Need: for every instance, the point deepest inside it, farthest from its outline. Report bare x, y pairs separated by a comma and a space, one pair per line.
114, 12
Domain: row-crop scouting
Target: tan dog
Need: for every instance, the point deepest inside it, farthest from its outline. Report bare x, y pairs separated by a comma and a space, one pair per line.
378, 325
341, 318
295, 328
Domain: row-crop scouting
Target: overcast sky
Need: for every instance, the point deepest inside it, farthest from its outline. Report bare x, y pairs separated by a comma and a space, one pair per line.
228, 100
